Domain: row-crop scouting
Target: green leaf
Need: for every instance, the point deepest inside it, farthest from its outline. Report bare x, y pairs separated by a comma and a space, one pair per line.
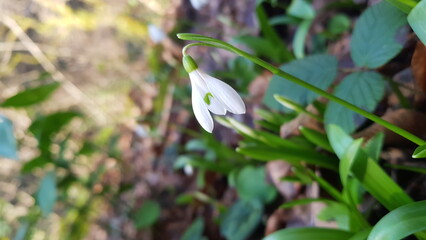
417, 19
8, 147
147, 214
31, 96
46, 195
363, 89
339, 139
318, 70
290, 155
261, 47
39, 161
251, 183
420, 152
377, 182
361, 235
195, 231
201, 163
304, 201
317, 138
374, 146
338, 212
241, 219
339, 24
373, 40
44, 127
310, 233
404, 5
299, 38
301, 9
401, 222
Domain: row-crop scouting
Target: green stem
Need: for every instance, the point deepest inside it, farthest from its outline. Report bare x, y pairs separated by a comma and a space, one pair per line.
217, 43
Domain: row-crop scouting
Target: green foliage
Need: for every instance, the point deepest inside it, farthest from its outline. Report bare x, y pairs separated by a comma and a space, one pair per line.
417, 19
31, 96
301, 9
309, 233
339, 24
363, 89
147, 214
420, 152
47, 195
251, 184
401, 222
373, 40
319, 70
241, 219
195, 231
7, 139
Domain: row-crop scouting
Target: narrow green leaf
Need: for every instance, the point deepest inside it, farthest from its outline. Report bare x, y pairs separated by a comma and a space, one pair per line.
408, 168
404, 5
317, 138
147, 214
373, 40
363, 89
401, 222
310, 233
420, 152
339, 139
374, 146
195, 231
46, 195
304, 201
417, 19
290, 155
31, 96
318, 70
8, 147
361, 235
347, 160
378, 183
241, 219
299, 38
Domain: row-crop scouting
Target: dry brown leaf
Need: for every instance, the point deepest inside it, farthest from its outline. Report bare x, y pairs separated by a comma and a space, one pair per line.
407, 119
418, 65
292, 128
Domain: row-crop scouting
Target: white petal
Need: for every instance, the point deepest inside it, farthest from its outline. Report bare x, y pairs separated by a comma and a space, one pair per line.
201, 112
198, 84
226, 94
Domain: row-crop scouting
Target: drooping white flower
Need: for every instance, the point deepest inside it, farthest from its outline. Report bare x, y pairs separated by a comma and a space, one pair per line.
209, 93
156, 34
198, 4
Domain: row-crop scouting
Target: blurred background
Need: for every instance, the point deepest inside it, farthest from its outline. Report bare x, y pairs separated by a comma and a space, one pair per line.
98, 135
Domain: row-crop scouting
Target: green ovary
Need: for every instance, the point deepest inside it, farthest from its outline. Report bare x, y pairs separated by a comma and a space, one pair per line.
207, 98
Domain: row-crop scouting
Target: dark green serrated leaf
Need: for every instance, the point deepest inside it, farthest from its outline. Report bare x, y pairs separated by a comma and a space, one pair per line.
310, 233
401, 222
31, 96
363, 89
46, 195
241, 219
8, 147
417, 20
147, 214
373, 40
318, 70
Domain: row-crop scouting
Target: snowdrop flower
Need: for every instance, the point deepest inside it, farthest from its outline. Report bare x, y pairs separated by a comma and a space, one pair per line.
155, 33
209, 93
198, 4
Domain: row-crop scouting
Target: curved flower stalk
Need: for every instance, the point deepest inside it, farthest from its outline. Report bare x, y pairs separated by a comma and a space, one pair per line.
210, 94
